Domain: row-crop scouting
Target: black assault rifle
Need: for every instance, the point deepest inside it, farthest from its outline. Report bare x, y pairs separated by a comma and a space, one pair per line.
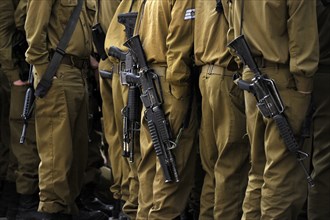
268, 99
131, 112
152, 100
28, 105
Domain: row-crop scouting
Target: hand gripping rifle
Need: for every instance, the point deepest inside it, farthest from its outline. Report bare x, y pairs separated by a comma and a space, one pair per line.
154, 114
268, 100
131, 112
28, 105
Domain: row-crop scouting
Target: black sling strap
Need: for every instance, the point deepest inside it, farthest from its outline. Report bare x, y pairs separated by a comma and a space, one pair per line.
46, 80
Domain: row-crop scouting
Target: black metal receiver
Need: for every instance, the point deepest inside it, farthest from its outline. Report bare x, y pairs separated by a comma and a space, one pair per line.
154, 114
268, 100
28, 105
128, 77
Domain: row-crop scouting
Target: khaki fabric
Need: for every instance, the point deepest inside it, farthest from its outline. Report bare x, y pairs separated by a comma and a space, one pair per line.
44, 30
112, 105
157, 199
277, 31
7, 30
171, 35
168, 42
126, 184
62, 140
106, 12
274, 29
25, 156
62, 115
319, 195
224, 147
274, 173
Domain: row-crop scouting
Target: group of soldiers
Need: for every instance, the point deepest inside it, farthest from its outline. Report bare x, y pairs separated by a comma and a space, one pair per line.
164, 109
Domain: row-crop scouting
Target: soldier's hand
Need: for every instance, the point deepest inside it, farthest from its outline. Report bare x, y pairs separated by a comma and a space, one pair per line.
20, 83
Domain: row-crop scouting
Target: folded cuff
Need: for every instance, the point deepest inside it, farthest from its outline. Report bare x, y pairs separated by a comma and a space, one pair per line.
304, 84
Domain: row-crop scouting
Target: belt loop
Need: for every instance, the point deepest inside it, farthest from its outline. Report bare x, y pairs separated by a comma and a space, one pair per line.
209, 69
72, 60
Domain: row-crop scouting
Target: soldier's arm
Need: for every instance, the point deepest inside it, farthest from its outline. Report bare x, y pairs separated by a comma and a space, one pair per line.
7, 29
179, 41
303, 42
36, 25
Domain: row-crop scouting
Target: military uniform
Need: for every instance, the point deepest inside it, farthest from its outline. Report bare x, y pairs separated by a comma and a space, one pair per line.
125, 186
98, 177
283, 39
26, 166
319, 195
168, 43
61, 116
224, 148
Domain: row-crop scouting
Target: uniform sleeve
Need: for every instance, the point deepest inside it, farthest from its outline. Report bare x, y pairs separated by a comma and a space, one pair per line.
303, 42
20, 14
179, 41
38, 15
7, 29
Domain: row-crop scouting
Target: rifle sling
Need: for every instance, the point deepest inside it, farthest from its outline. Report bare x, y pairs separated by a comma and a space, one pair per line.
46, 80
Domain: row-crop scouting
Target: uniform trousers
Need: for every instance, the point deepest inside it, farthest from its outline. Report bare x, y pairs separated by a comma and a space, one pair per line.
125, 181
157, 199
26, 154
224, 145
62, 140
277, 185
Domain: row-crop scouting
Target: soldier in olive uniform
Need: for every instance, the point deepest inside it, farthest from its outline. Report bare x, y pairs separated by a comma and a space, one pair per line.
283, 39
168, 46
15, 67
98, 178
224, 148
125, 181
319, 195
62, 114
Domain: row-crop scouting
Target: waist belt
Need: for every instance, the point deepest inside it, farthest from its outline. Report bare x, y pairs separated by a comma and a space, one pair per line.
80, 63
262, 63
215, 69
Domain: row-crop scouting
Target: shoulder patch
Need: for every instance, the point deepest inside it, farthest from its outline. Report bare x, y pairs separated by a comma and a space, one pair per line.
190, 14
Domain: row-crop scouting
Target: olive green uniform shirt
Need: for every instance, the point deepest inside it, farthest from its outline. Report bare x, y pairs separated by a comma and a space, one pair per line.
289, 25
210, 42
44, 30
12, 17
170, 38
116, 33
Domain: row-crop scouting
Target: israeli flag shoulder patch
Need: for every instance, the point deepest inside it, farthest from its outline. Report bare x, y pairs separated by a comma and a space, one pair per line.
190, 14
